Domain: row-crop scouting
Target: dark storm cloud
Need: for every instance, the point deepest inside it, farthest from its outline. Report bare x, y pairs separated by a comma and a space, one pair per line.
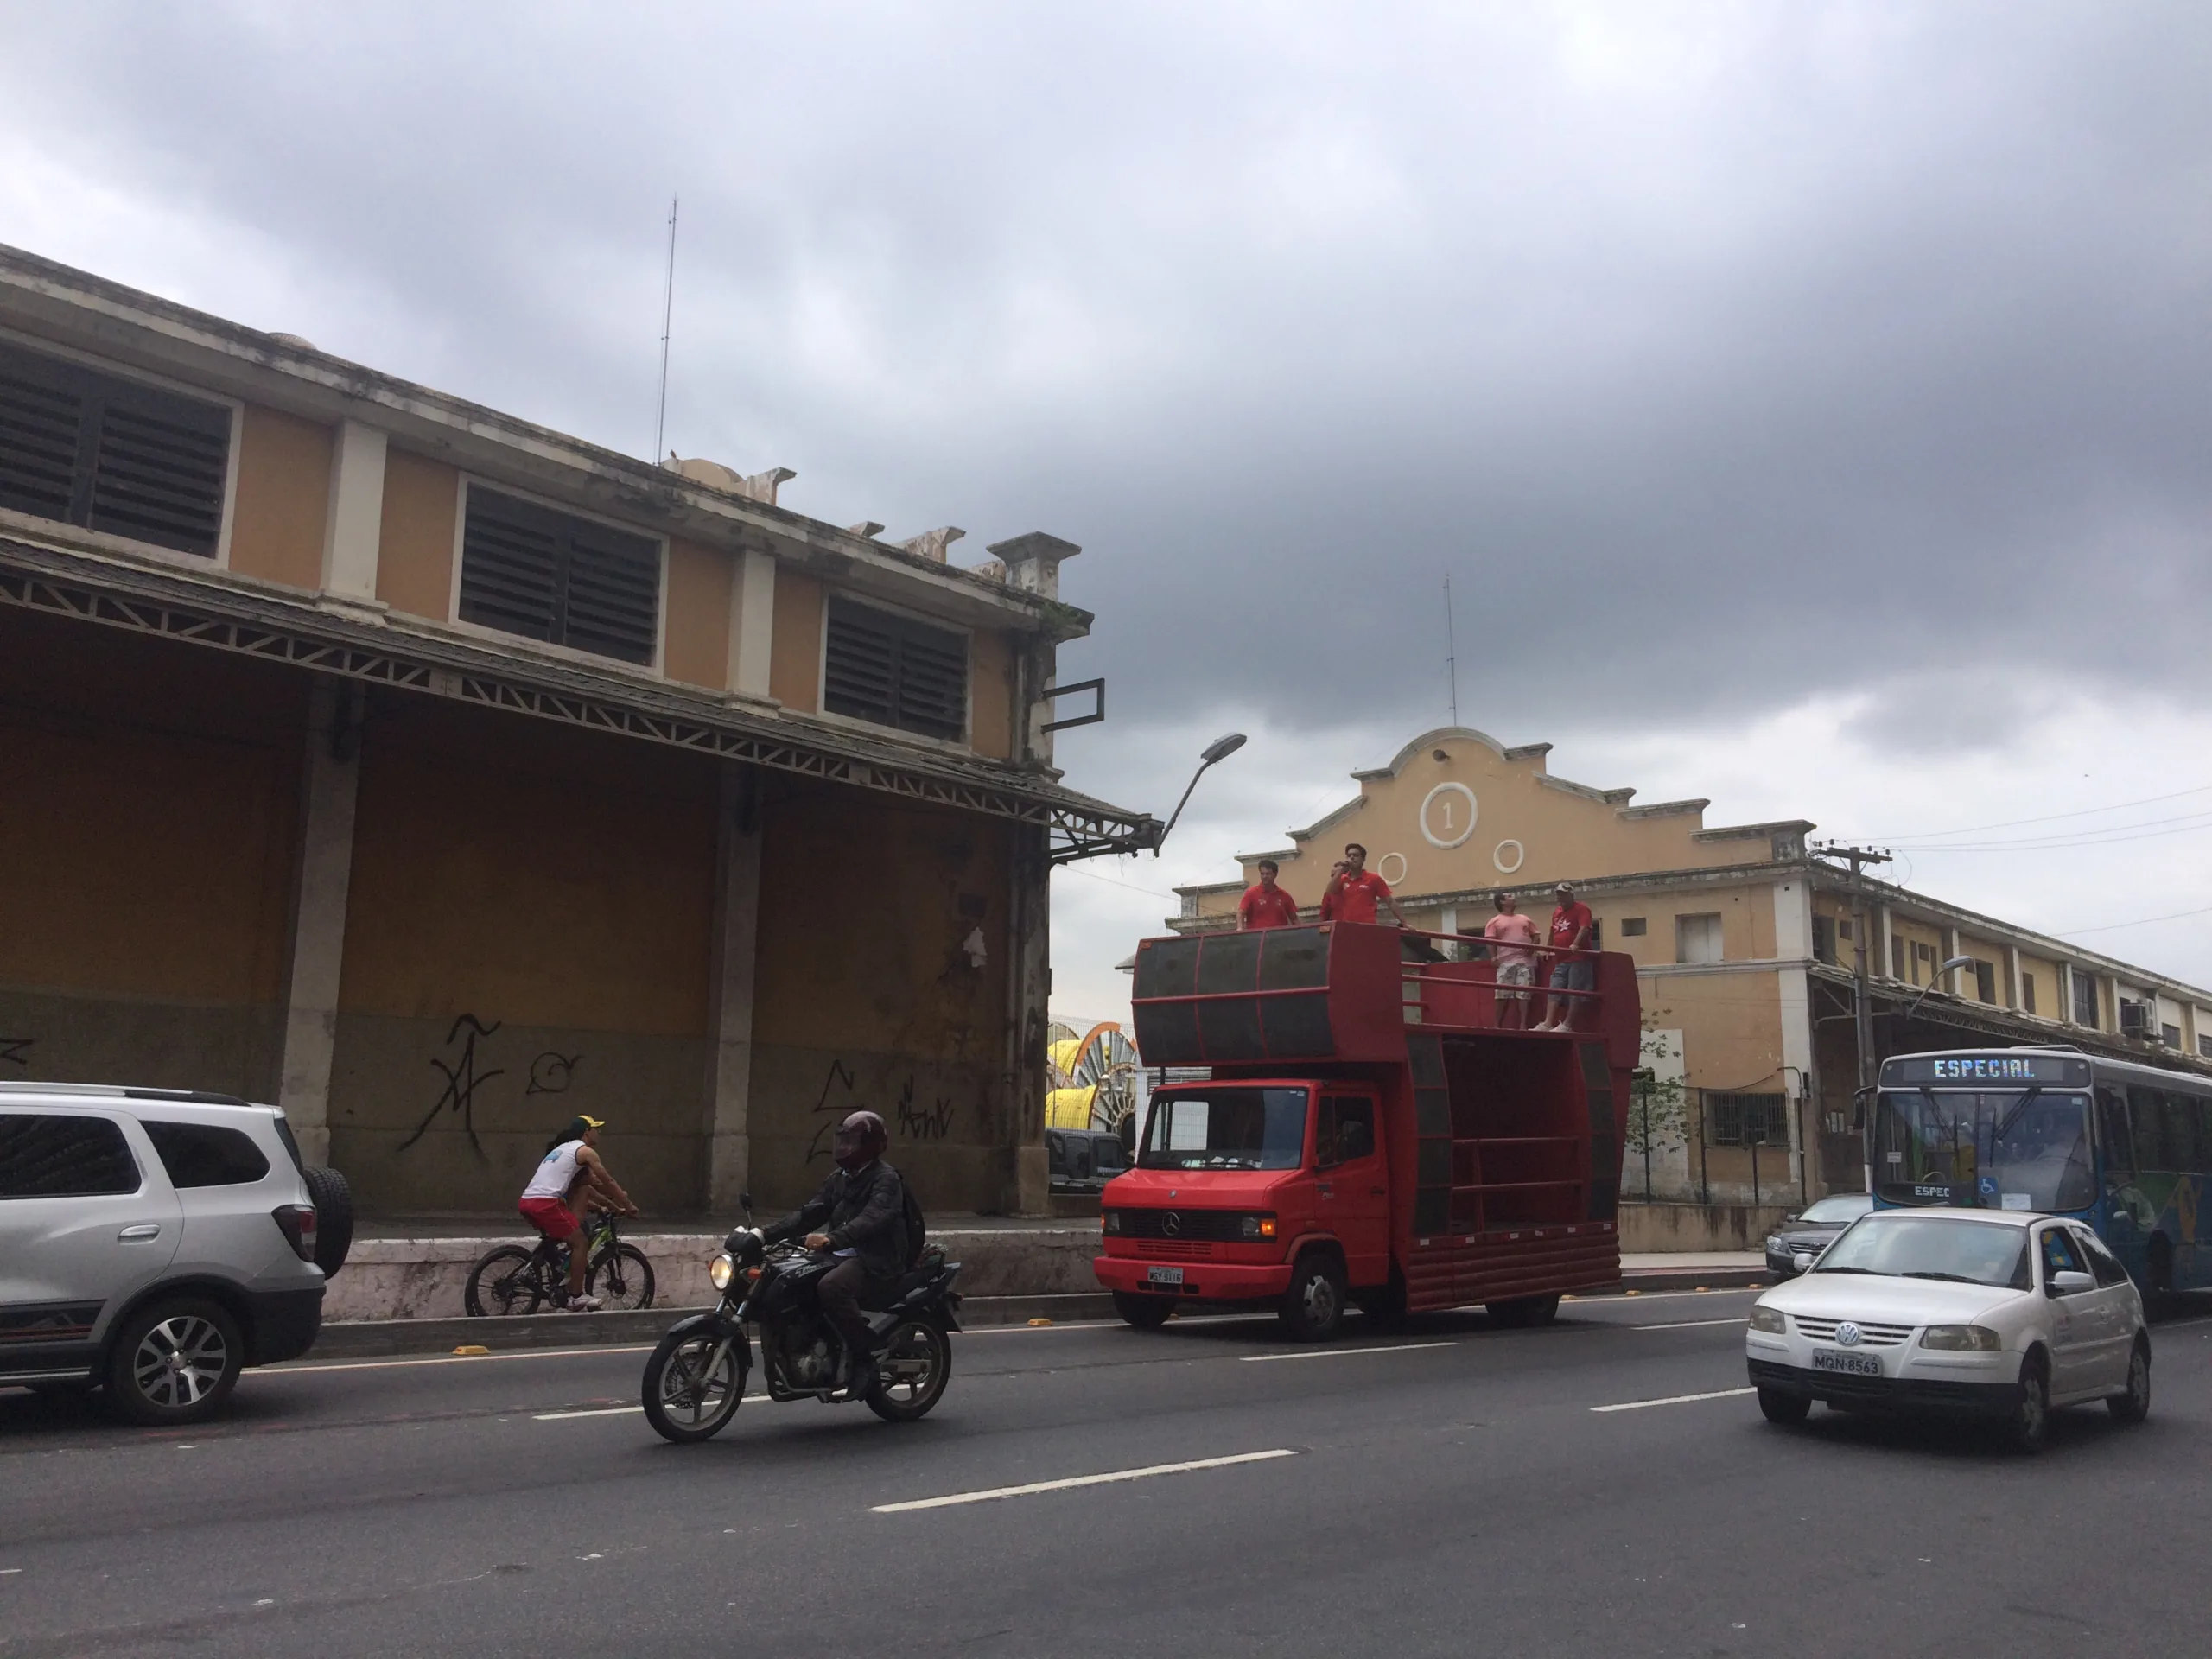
1723, 354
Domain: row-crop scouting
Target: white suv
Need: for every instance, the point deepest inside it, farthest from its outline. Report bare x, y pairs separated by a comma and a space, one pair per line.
155, 1241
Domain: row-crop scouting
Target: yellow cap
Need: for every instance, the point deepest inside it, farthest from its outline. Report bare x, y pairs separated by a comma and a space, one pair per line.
591, 1122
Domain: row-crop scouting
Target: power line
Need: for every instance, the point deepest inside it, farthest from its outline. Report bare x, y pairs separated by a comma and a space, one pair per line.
2052, 844
2141, 921
2014, 823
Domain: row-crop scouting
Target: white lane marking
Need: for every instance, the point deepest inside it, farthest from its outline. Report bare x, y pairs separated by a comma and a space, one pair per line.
5, 1571
1340, 1353
456, 1359
1677, 1400
1685, 1324
596, 1411
1083, 1480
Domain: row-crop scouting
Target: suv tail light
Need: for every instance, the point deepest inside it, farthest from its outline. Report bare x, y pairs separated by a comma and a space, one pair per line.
296, 1221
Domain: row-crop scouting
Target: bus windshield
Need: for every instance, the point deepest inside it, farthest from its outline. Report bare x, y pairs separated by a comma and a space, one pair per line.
1999, 1149
1226, 1129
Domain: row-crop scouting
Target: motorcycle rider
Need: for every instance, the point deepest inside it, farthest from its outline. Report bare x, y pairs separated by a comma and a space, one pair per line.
860, 1214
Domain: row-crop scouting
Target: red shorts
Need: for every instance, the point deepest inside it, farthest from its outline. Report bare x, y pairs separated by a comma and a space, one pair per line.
552, 1218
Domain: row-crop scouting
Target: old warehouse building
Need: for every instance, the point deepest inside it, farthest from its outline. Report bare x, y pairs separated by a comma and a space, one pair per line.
441, 776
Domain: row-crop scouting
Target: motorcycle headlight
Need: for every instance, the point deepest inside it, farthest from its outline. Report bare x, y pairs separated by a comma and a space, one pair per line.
721, 1271
1769, 1319
1976, 1338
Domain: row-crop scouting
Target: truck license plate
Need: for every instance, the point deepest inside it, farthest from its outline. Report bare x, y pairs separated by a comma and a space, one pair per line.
1163, 1275
1827, 1359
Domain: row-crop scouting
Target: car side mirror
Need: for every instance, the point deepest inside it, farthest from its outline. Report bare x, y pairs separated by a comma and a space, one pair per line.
1802, 1261
2069, 1284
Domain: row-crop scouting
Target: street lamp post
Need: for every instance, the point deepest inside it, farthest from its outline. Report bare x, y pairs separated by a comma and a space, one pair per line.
1950, 964
1220, 749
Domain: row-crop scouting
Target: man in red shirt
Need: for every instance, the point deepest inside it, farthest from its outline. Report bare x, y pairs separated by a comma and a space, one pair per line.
1357, 890
1570, 932
1266, 904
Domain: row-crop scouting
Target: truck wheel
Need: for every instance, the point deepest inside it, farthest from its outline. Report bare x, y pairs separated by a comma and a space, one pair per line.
1524, 1309
1146, 1312
1314, 1306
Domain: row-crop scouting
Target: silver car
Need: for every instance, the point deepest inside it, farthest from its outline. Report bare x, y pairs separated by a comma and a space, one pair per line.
153, 1243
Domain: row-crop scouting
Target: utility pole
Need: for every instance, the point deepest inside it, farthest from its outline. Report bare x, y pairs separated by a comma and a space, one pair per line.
1859, 858
1450, 649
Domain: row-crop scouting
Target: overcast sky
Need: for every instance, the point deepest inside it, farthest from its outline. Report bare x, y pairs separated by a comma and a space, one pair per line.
1809, 402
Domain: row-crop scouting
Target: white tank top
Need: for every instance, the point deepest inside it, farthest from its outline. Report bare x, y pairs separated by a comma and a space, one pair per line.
556, 1174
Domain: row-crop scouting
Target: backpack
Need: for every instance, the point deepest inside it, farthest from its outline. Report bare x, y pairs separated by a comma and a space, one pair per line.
916, 1228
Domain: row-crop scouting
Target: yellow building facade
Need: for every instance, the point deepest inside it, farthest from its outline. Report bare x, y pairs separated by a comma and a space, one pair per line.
1745, 949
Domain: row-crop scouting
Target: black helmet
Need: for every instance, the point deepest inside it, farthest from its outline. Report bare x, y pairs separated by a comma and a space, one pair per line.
860, 1141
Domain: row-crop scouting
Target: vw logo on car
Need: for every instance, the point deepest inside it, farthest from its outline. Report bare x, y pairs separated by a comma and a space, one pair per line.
1847, 1335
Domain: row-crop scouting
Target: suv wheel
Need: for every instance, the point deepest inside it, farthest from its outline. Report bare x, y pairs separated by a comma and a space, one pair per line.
174, 1361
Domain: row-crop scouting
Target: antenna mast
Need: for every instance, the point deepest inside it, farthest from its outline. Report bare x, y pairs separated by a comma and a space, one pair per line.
667, 311
1450, 649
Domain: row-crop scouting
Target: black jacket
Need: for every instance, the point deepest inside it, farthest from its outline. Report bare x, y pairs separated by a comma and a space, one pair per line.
865, 1212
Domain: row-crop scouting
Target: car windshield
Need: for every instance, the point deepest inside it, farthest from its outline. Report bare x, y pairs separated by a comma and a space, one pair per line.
1837, 1209
1932, 1247
1226, 1129
2003, 1149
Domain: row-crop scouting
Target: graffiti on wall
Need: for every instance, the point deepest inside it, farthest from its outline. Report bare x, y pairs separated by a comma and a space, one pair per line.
462, 1080
15, 1051
837, 1101
551, 1073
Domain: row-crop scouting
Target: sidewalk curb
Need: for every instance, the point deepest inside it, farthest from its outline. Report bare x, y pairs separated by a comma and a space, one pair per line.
375, 1338
1689, 1279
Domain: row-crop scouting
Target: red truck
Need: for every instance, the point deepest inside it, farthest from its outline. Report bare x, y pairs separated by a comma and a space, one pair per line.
1368, 1132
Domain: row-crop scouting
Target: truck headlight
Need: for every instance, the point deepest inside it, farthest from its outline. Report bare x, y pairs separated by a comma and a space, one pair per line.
1111, 1222
1977, 1338
1258, 1227
721, 1271
1768, 1320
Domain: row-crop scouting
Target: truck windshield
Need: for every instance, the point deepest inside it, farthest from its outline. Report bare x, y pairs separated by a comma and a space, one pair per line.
1226, 1129
2004, 1150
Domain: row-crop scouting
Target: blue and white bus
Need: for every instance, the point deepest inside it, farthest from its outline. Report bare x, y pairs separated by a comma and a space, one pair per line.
2127, 1148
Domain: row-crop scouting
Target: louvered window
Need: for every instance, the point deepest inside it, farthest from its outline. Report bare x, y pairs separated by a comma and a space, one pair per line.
895, 671
111, 454
531, 570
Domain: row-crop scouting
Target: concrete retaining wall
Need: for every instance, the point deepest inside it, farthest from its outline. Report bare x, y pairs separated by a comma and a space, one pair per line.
1665, 1227
423, 1278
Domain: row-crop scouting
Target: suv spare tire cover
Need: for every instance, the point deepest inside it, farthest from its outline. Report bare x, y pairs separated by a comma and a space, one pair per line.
334, 1217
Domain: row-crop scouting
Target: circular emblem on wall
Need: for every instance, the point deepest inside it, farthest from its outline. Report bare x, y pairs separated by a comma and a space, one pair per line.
1508, 856
1447, 816
1383, 867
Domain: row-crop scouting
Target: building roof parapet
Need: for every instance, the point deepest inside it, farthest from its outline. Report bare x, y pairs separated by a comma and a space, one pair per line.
73, 307
1610, 797
1755, 831
1667, 809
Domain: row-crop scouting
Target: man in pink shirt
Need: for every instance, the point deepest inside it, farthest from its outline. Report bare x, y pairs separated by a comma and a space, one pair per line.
1512, 935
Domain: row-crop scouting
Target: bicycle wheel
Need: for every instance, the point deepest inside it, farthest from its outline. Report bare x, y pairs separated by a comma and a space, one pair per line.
623, 1276
505, 1281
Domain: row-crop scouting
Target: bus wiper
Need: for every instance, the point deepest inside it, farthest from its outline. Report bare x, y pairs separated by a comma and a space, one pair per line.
2005, 1129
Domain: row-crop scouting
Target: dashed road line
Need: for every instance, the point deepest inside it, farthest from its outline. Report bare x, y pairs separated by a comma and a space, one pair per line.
1685, 1324
1345, 1353
1677, 1400
1035, 1486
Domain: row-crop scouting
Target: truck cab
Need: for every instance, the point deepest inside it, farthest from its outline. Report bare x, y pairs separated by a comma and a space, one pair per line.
1367, 1133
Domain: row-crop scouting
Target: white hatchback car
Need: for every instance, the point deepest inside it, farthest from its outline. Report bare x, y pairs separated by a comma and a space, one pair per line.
1987, 1312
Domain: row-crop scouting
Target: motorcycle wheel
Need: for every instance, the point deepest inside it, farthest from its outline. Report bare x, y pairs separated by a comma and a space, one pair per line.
503, 1282
910, 1372
694, 1383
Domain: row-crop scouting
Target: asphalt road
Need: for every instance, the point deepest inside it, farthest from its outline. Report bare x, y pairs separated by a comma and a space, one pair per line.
1451, 1489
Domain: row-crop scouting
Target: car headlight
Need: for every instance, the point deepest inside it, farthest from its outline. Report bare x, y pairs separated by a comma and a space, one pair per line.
1258, 1226
1112, 1221
1979, 1339
721, 1271
1774, 1244
1769, 1319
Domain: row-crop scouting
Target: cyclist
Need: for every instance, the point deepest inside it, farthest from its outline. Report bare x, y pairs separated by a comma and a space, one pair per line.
571, 1174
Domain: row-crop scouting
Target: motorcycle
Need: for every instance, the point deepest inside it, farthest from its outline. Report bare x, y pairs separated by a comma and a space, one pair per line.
696, 1377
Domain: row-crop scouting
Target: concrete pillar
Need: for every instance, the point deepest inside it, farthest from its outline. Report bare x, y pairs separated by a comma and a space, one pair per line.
354, 529
1032, 565
752, 623
729, 1057
1950, 949
1793, 945
325, 871
2012, 998
1886, 966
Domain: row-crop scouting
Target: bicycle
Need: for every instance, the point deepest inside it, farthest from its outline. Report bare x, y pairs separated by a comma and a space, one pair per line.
511, 1279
